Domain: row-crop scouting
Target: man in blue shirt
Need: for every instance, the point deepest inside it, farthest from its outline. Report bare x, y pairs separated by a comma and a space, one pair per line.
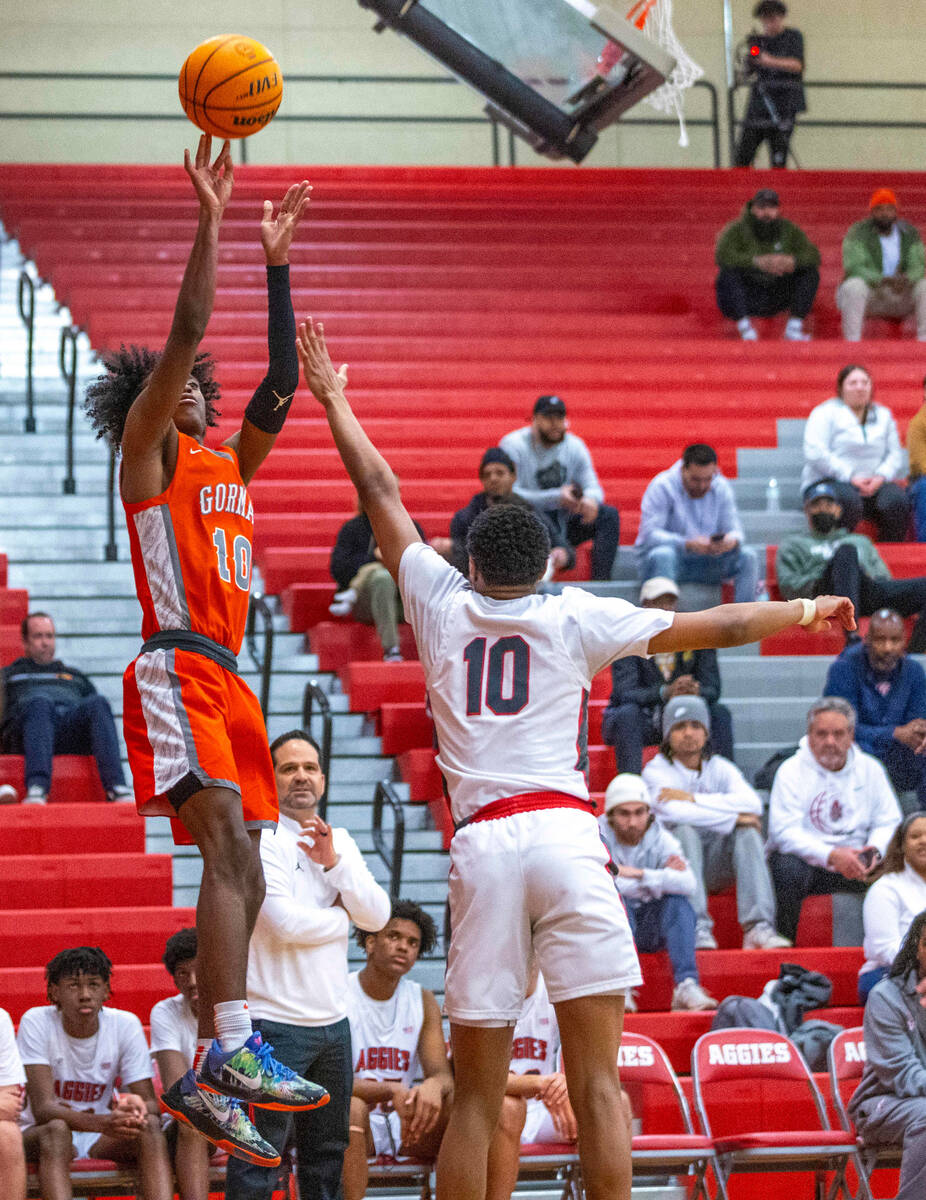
888, 691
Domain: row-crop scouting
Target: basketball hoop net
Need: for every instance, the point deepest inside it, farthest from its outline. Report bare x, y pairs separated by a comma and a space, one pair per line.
654, 19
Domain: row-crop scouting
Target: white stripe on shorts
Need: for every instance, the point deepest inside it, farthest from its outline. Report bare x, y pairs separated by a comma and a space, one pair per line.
165, 719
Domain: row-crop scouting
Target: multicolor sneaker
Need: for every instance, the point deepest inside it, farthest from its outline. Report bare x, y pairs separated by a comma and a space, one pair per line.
253, 1075
219, 1119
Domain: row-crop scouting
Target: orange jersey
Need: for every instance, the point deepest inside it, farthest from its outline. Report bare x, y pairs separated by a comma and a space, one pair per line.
191, 547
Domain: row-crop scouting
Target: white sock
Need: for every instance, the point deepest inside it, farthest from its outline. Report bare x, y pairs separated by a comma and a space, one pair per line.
202, 1049
232, 1023
744, 324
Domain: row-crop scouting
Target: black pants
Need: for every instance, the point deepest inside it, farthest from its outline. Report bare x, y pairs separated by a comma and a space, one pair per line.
844, 577
741, 292
604, 533
630, 727
795, 879
888, 508
754, 132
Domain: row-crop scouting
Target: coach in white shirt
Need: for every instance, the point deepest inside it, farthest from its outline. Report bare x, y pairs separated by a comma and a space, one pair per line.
317, 883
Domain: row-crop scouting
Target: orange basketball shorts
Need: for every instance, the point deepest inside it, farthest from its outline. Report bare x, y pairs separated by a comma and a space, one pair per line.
190, 724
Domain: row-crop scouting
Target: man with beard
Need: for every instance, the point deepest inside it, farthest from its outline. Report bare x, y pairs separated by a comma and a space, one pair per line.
767, 266
829, 558
887, 689
883, 261
556, 476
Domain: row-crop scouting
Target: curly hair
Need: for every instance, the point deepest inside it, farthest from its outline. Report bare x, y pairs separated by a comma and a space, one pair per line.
110, 396
509, 546
407, 910
79, 960
181, 947
907, 957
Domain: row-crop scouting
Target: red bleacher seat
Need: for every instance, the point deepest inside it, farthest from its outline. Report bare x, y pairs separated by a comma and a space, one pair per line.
74, 778
128, 935
65, 829
34, 881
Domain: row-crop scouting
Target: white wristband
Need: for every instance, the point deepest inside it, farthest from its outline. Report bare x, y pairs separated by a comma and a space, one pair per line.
810, 612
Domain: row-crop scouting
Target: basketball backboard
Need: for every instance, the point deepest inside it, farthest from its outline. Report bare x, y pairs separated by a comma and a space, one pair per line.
555, 71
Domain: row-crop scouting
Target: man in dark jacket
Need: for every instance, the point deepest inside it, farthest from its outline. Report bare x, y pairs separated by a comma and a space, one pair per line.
767, 265
775, 66
888, 692
640, 687
48, 709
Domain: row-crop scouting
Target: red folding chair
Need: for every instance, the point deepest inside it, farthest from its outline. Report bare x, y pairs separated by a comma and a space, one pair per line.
758, 1101
847, 1061
667, 1143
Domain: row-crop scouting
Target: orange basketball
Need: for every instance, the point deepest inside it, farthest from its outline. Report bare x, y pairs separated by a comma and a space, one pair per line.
230, 86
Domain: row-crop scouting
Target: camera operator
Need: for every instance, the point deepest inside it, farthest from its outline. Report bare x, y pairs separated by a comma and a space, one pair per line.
773, 61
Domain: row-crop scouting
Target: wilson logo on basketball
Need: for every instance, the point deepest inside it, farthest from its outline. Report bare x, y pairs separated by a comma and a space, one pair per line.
747, 1054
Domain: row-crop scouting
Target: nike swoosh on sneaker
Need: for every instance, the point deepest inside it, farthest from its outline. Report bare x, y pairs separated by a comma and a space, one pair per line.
219, 1112
249, 1081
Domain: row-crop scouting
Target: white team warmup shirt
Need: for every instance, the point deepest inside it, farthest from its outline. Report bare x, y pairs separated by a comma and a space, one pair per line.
535, 1051
173, 1027
384, 1046
84, 1069
11, 1068
508, 684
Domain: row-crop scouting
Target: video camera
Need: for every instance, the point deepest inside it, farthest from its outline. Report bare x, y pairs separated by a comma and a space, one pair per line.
746, 57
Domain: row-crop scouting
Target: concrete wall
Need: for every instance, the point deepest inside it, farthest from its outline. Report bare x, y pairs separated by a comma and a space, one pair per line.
848, 39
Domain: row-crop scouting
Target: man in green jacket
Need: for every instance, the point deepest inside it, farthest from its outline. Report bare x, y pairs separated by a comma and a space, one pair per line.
828, 559
884, 266
767, 266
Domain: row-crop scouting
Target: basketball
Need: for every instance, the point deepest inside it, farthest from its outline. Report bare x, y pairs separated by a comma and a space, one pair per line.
230, 86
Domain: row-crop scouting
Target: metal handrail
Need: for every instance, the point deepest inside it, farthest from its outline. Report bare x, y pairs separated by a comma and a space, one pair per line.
392, 856
111, 550
67, 361
312, 693
28, 319
263, 659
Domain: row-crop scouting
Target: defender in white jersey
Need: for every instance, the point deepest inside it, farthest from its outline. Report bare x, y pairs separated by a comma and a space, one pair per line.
12, 1086
73, 1051
396, 1035
505, 670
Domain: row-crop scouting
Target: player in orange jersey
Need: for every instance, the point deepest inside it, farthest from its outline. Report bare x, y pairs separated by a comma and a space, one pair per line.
194, 731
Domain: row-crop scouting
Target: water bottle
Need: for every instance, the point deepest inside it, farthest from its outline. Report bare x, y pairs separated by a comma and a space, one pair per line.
772, 497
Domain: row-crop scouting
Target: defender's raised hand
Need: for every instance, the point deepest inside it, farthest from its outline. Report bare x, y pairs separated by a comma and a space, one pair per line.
833, 608
213, 183
325, 383
276, 232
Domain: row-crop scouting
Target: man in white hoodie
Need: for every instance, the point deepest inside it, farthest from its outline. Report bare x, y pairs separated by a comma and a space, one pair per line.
831, 814
717, 818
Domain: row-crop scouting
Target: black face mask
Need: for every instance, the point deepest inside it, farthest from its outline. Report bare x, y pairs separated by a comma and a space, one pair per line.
823, 522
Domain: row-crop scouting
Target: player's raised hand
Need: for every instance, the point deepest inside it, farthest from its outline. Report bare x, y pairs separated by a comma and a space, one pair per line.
833, 608
213, 182
276, 232
324, 382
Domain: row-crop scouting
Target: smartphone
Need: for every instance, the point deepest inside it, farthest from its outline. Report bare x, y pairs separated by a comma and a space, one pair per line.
868, 857
717, 537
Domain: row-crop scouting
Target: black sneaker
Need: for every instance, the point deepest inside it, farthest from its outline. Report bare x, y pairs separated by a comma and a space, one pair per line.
219, 1119
251, 1074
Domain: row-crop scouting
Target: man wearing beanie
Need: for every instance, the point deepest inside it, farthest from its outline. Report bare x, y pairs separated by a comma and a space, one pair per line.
656, 884
716, 817
883, 264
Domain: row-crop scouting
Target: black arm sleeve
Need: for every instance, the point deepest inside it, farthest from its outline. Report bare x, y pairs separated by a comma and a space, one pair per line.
269, 405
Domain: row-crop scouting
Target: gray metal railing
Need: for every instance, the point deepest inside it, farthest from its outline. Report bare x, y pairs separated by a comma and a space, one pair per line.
391, 855
26, 289
67, 361
262, 657
313, 695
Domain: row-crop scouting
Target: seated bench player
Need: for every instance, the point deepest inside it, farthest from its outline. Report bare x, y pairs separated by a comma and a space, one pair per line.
73, 1050
12, 1088
396, 1033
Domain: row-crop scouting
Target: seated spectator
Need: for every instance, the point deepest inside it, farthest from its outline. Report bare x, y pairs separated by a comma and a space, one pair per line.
887, 689
640, 687
897, 894
366, 589
12, 1090
767, 266
831, 814
916, 480
396, 1034
888, 1107
883, 265
656, 885
852, 443
555, 474
173, 1045
717, 818
690, 530
74, 1050
48, 708
828, 560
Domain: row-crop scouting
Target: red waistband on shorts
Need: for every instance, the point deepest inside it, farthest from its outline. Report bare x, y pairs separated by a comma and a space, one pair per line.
525, 802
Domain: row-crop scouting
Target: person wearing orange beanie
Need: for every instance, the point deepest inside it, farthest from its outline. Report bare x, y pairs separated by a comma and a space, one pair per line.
884, 267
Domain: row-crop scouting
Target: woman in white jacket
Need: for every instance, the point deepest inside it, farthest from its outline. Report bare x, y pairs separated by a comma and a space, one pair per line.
893, 900
853, 443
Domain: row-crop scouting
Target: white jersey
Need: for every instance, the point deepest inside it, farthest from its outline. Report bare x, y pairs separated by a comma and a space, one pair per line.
84, 1069
173, 1027
535, 1043
508, 680
384, 1033
11, 1068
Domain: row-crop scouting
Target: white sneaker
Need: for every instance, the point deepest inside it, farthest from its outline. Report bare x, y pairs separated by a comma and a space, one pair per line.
704, 937
762, 936
793, 334
120, 794
8, 794
343, 603
630, 1001
747, 330
689, 996
35, 795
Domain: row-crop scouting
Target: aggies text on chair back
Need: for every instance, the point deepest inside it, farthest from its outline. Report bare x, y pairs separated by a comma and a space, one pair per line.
656, 1097
753, 1079
847, 1061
